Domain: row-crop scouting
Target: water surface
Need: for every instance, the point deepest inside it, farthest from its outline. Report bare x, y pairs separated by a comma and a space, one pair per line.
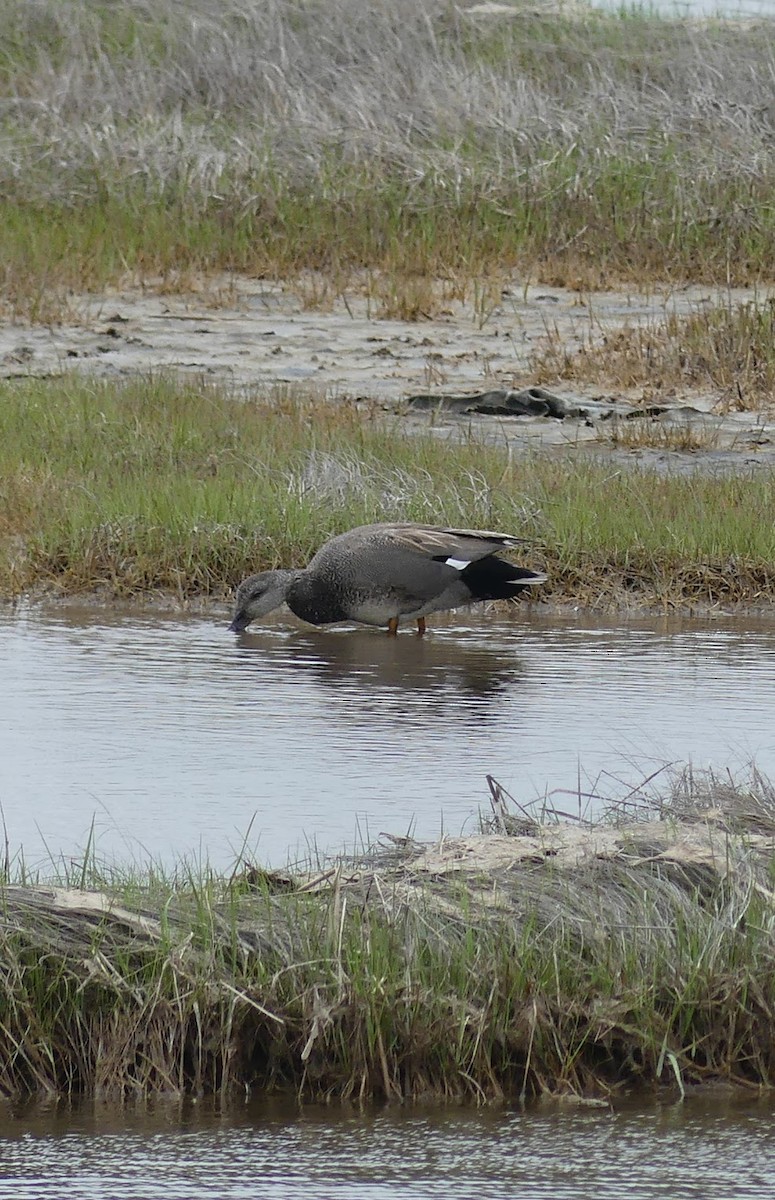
745, 10
702, 1150
165, 735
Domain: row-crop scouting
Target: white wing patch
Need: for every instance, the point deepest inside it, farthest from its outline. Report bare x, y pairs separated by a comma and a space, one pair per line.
459, 564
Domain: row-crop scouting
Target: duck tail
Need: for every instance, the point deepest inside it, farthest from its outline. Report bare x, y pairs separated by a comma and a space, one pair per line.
494, 579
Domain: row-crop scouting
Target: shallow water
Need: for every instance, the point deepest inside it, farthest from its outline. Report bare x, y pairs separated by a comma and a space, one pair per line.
711, 1151
696, 9
172, 736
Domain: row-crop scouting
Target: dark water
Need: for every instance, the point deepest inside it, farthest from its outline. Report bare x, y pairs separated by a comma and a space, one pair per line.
172, 736
711, 1151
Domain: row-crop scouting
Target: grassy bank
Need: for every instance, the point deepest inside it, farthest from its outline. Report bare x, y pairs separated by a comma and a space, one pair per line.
582, 148
577, 959
182, 488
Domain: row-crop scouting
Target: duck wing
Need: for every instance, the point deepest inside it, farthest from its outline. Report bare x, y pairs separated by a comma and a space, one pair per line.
455, 547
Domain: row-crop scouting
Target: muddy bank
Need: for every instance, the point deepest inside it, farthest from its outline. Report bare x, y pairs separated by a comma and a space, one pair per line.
264, 333
542, 958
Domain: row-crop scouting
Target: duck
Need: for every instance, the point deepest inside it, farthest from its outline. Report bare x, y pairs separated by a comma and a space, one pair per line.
379, 574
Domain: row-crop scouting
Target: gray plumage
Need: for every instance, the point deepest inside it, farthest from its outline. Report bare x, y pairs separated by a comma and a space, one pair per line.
376, 574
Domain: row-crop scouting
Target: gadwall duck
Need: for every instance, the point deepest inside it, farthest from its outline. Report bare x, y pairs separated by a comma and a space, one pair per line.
377, 574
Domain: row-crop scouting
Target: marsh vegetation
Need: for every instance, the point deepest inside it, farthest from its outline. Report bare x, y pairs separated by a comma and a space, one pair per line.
158, 141
725, 348
183, 488
539, 958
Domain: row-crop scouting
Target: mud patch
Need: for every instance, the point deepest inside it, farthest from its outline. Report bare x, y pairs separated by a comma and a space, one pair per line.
259, 333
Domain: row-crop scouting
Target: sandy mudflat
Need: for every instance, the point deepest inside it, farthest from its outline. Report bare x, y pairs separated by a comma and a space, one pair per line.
254, 332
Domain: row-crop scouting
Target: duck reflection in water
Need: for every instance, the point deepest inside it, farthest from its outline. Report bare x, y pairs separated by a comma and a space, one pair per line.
457, 676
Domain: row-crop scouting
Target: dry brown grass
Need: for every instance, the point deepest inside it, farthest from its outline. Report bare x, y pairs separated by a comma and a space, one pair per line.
168, 141
682, 435
725, 348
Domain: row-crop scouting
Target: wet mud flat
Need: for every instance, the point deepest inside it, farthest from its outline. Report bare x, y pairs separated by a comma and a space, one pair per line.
542, 957
453, 369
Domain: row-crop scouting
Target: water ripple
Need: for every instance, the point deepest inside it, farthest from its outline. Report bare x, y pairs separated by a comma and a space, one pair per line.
696, 1151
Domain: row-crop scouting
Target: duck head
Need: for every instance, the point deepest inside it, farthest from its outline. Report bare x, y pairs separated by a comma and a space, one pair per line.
258, 595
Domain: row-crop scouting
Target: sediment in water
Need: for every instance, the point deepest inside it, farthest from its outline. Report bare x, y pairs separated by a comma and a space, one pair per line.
537, 958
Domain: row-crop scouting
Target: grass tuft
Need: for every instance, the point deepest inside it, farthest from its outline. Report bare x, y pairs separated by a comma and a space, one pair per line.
585, 960
728, 349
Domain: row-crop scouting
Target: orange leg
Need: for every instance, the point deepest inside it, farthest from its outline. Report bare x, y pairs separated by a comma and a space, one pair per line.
420, 626
392, 626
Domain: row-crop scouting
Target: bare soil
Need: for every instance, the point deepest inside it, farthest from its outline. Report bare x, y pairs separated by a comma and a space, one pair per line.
263, 333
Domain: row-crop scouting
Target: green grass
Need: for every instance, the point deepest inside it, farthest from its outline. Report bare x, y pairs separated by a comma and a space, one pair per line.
160, 486
628, 224
381, 979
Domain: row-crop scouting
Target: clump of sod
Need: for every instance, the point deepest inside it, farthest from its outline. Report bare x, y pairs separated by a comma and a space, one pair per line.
587, 960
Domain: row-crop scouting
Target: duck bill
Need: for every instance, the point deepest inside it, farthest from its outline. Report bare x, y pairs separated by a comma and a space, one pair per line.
240, 623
